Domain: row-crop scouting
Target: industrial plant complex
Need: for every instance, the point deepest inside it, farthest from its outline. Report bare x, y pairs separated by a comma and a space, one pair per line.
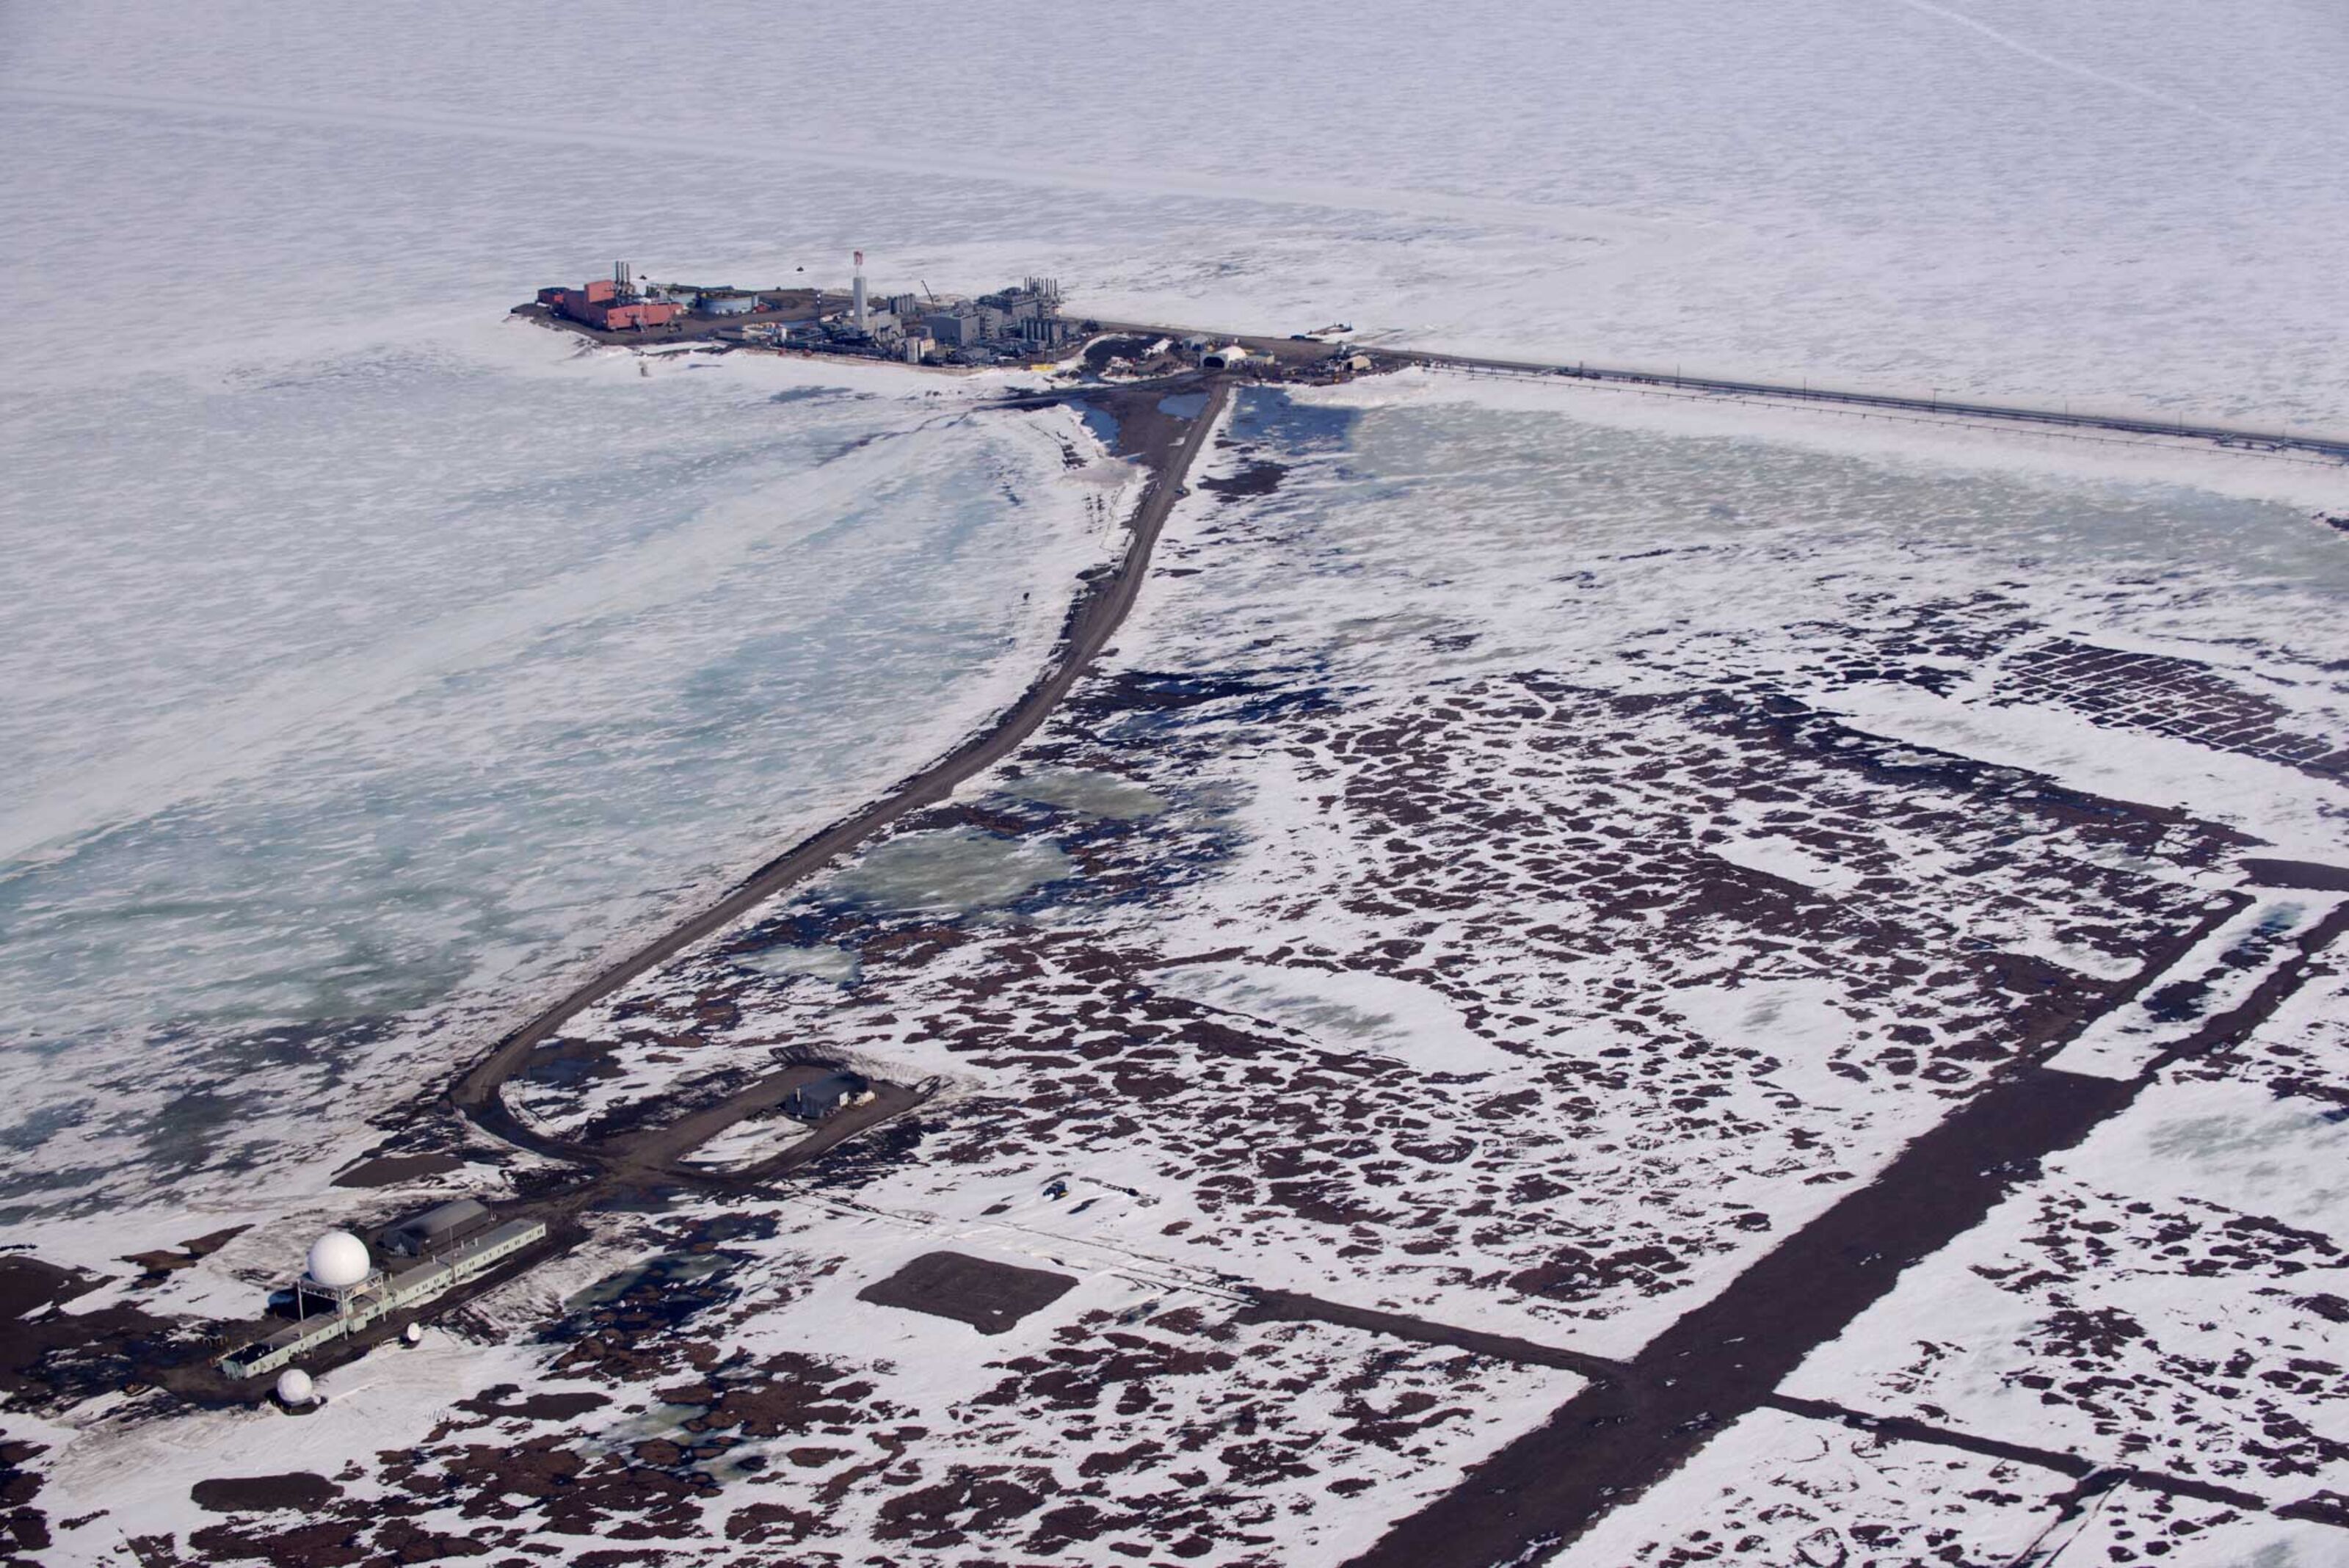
1018, 322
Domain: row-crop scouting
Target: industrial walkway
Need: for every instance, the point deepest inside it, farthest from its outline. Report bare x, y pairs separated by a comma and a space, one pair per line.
2318, 446
2306, 448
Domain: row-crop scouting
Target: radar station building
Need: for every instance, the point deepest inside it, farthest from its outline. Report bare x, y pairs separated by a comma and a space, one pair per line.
345, 1290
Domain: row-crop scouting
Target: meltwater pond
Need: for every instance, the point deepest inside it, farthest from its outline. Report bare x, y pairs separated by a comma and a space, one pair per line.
353, 701
951, 870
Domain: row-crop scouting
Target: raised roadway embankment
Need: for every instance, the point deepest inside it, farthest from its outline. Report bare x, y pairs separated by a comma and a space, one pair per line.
2332, 449
1092, 620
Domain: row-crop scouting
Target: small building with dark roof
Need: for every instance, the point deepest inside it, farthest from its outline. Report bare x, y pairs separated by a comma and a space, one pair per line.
434, 1228
820, 1099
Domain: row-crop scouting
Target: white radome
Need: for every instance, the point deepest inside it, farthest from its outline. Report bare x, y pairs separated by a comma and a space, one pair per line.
294, 1387
338, 1259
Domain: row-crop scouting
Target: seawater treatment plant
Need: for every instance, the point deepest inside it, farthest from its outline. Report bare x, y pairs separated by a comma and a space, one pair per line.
343, 1291
1015, 324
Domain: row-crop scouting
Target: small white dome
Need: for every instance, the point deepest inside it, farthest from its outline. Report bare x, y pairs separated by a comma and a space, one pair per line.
338, 1259
413, 1334
294, 1387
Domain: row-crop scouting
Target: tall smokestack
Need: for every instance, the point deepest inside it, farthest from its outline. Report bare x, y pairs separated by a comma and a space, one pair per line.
856, 295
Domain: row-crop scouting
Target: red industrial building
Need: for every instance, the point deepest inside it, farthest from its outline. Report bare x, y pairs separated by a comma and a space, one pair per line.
609, 303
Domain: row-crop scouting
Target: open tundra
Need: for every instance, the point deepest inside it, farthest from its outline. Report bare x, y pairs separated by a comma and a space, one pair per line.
1533, 864
1590, 977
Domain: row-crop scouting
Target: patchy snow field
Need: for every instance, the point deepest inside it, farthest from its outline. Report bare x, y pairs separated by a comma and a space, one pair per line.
1525, 943
2168, 1295
1470, 889
1462, 895
1789, 1493
1534, 848
728, 1399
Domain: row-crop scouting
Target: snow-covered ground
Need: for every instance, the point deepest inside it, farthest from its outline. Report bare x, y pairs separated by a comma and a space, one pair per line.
1470, 889
734, 1392
1778, 1491
1531, 852
1462, 837
2170, 1294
